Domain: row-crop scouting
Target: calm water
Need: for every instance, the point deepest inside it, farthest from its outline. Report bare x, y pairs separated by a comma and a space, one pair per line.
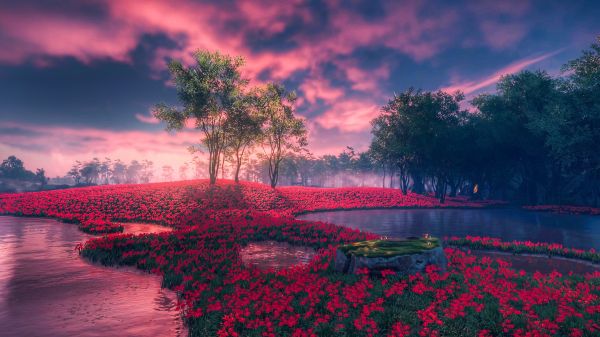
275, 255
577, 231
46, 289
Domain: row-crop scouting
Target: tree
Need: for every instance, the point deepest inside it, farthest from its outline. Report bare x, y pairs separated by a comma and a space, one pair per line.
147, 171
199, 167
208, 92
74, 172
306, 167
383, 149
13, 168
516, 115
573, 127
105, 171
283, 133
413, 136
40, 175
167, 173
119, 172
243, 128
364, 165
183, 171
134, 172
90, 171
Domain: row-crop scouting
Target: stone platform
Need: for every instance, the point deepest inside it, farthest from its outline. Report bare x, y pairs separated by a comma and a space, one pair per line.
405, 256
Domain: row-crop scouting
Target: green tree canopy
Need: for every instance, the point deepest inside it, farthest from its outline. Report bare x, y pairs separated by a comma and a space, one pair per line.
283, 133
208, 92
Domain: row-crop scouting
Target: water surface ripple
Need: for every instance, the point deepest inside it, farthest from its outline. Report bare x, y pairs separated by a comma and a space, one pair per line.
46, 289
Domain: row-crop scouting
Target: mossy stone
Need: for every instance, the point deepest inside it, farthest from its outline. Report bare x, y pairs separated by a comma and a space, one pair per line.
389, 247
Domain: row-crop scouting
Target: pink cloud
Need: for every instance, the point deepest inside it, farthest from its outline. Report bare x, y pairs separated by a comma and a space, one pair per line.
405, 31
352, 115
35, 34
468, 87
148, 119
318, 87
364, 80
272, 17
502, 35
324, 141
502, 23
192, 25
206, 26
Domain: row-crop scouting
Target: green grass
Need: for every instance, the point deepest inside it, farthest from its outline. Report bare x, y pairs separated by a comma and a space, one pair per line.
388, 248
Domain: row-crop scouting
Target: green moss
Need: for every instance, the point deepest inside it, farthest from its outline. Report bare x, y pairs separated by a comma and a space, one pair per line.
388, 248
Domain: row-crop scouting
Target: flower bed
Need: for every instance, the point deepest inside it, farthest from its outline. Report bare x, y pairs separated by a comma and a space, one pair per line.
220, 296
97, 226
172, 203
550, 249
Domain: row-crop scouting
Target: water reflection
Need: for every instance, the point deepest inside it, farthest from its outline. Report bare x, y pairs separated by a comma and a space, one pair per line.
46, 289
139, 228
275, 255
576, 231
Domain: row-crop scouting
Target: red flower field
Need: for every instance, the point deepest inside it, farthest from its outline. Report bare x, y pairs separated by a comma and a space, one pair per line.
222, 297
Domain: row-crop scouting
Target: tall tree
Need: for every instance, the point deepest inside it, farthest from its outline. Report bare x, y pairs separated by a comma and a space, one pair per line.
573, 127
167, 173
183, 171
283, 133
134, 172
90, 171
414, 133
40, 175
147, 171
207, 92
244, 128
75, 173
13, 168
516, 112
105, 170
119, 172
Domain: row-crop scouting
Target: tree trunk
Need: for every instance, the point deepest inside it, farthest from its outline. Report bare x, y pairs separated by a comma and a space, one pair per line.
443, 186
237, 171
213, 165
238, 164
275, 176
418, 186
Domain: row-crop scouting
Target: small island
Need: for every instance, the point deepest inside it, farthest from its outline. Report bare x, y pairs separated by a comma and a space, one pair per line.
405, 256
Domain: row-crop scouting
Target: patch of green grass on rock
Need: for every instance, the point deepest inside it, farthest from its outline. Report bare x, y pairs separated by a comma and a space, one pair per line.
389, 248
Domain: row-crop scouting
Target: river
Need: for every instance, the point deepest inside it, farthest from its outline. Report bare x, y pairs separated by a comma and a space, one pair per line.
47, 289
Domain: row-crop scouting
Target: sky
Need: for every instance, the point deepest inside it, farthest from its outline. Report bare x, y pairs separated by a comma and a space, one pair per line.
78, 79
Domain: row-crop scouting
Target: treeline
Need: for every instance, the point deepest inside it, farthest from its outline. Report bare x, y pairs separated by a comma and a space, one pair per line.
535, 140
349, 168
15, 177
108, 171
13, 168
